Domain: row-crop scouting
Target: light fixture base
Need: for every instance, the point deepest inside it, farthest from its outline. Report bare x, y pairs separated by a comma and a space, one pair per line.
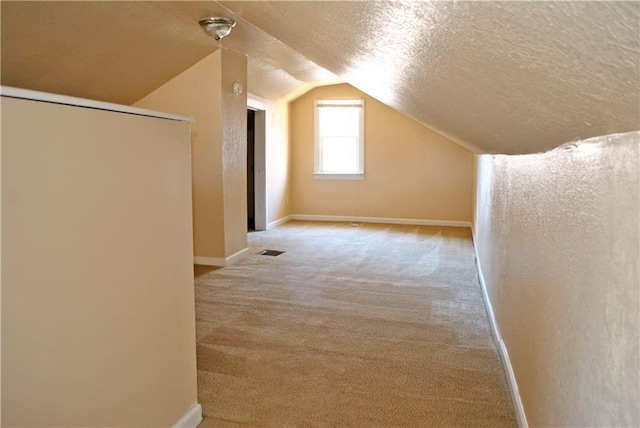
217, 27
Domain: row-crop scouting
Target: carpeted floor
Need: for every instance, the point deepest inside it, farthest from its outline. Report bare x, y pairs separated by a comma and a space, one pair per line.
359, 326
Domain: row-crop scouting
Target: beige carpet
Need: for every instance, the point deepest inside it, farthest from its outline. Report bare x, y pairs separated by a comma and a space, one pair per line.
374, 325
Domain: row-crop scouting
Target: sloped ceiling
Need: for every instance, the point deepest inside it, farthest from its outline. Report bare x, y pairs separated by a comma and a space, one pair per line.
119, 51
504, 77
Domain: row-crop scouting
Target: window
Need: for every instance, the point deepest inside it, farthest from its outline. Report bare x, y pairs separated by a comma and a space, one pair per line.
339, 142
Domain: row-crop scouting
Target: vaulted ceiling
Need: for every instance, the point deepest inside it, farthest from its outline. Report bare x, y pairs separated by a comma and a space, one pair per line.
504, 77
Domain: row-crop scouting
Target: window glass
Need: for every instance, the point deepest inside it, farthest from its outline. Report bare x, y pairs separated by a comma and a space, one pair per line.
339, 137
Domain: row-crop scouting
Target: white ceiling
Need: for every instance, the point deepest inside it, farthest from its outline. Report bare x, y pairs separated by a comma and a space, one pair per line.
507, 77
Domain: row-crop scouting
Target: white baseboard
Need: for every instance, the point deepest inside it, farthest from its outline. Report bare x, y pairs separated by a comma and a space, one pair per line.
209, 261
383, 220
191, 419
220, 262
502, 349
278, 222
236, 257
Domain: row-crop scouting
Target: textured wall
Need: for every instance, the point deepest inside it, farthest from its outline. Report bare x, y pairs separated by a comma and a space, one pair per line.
558, 239
410, 171
197, 92
234, 150
97, 279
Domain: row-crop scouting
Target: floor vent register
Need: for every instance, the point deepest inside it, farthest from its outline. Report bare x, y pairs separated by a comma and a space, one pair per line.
272, 253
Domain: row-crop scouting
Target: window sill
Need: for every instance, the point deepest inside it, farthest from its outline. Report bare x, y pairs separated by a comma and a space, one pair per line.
325, 176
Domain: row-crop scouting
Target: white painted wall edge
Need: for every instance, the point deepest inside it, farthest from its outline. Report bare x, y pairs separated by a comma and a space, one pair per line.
502, 349
191, 419
219, 261
27, 94
383, 220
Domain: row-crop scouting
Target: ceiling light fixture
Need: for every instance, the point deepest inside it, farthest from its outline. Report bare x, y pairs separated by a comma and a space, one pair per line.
217, 27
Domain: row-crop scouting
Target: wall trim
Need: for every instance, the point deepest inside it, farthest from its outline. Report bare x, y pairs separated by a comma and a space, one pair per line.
278, 222
236, 257
209, 261
28, 94
191, 419
220, 262
502, 348
383, 220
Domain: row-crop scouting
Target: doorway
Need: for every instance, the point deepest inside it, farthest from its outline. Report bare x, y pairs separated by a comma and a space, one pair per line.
256, 177
251, 176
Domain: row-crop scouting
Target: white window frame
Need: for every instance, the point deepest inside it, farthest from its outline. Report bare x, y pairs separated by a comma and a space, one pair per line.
317, 170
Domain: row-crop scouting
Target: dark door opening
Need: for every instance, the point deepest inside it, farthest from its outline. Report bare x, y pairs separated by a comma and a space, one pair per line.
251, 177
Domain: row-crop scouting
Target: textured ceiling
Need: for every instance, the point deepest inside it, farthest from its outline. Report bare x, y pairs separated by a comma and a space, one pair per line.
120, 51
109, 51
508, 77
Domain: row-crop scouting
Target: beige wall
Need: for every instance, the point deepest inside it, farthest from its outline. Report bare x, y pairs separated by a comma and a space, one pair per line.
558, 240
218, 140
197, 92
278, 158
97, 281
410, 171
